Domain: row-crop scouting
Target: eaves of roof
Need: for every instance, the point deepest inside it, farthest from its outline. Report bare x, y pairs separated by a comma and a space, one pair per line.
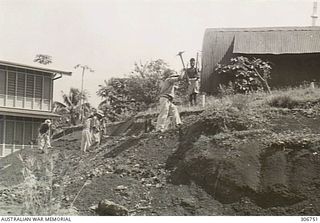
27, 113
41, 69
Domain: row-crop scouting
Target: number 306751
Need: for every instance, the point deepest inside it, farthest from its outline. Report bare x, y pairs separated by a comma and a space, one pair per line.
309, 219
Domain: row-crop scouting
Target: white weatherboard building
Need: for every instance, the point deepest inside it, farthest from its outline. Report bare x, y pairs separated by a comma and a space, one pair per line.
26, 94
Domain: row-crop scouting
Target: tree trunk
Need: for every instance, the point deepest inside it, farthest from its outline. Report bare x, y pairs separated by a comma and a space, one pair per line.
264, 82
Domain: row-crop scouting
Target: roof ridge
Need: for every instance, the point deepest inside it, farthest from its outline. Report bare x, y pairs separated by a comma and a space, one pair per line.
31, 67
266, 29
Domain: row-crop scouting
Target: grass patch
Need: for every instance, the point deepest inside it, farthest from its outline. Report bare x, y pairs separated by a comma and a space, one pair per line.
294, 97
302, 97
283, 101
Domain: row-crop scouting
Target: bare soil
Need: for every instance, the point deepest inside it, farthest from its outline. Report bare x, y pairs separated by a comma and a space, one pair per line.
211, 166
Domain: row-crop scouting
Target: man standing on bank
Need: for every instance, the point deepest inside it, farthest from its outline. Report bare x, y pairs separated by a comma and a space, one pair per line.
168, 85
44, 136
193, 77
86, 137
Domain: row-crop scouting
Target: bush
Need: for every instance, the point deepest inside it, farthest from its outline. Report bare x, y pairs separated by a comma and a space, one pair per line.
124, 97
247, 75
283, 101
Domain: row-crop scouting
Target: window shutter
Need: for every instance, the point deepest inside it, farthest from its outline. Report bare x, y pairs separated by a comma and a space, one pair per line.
9, 132
19, 133
47, 88
1, 131
38, 89
21, 85
35, 130
30, 86
28, 133
12, 83
2, 82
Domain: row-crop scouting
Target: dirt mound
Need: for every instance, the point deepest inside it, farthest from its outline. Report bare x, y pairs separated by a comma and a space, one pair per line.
276, 172
237, 162
11, 169
221, 162
130, 171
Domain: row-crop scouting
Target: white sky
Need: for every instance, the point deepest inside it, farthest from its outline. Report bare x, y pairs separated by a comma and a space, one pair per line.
109, 35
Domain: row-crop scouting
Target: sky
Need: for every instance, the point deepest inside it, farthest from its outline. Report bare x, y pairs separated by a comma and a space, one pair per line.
111, 35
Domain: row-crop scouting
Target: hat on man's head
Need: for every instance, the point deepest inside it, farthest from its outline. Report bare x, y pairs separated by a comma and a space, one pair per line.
169, 73
192, 59
47, 121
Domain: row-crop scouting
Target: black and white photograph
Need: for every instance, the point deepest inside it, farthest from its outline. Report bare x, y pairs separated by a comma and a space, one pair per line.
153, 108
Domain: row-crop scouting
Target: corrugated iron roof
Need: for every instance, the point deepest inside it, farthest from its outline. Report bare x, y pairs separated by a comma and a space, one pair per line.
23, 66
272, 40
277, 42
27, 113
264, 29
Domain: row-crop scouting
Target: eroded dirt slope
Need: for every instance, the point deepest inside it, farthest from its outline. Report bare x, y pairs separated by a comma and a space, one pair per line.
218, 163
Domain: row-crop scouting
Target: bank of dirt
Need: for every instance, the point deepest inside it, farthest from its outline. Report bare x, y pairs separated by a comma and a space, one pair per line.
233, 162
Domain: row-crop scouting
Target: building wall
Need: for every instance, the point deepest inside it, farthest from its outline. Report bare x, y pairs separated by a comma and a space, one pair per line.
17, 133
299, 64
287, 70
25, 89
217, 48
292, 70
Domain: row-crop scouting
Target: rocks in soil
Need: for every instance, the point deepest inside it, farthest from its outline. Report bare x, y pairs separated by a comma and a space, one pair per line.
109, 208
121, 187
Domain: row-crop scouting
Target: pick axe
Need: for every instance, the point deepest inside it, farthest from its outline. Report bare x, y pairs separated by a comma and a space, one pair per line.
184, 67
180, 55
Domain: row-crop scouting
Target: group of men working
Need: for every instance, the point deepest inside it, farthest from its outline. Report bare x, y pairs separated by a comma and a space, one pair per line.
92, 127
91, 133
167, 92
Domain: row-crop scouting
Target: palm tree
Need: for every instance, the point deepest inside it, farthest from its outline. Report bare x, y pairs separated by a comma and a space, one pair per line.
71, 105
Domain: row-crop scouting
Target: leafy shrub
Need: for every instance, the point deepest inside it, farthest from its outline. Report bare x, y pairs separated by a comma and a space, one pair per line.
140, 90
246, 75
71, 109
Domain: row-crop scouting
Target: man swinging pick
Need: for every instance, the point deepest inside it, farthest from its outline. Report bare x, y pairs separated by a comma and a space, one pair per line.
193, 77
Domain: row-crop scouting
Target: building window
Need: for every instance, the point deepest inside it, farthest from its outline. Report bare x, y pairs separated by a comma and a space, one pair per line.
38, 92
3, 79
28, 133
29, 92
35, 128
46, 93
25, 90
9, 132
1, 131
19, 132
11, 83
11, 91
20, 90
1, 136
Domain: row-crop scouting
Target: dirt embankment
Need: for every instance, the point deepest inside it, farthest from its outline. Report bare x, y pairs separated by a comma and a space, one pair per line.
219, 163
252, 167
